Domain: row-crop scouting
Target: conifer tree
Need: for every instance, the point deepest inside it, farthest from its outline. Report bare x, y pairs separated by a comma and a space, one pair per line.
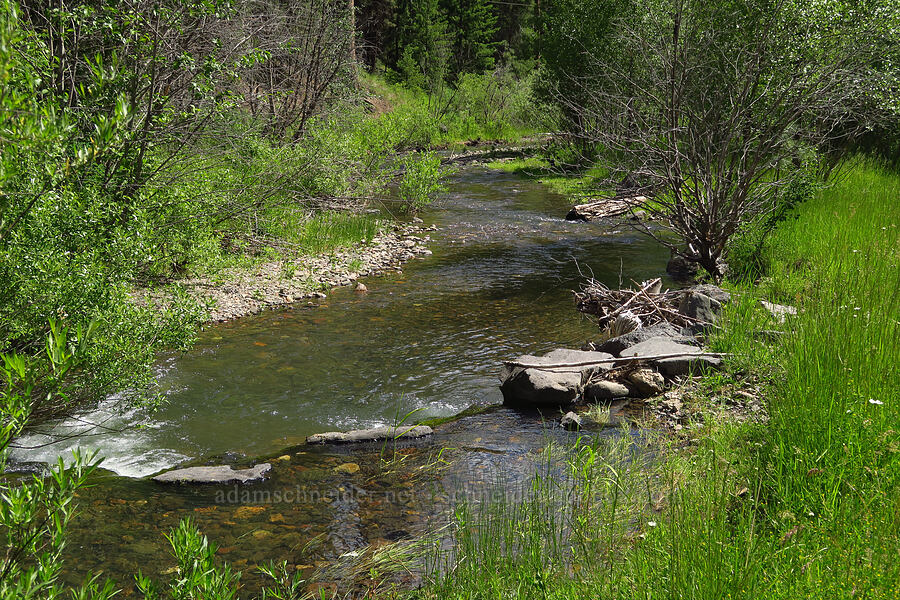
421, 43
473, 24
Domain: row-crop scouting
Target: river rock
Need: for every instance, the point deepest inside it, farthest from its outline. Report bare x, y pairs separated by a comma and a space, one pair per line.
697, 305
375, 434
616, 345
647, 382
671, 367
600, 391
222, 474
571, 421
681, 268
550, 386
535, 387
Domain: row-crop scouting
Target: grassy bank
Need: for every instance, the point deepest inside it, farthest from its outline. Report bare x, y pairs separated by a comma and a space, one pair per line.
803, 505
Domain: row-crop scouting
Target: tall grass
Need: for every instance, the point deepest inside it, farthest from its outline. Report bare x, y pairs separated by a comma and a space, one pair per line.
804, 505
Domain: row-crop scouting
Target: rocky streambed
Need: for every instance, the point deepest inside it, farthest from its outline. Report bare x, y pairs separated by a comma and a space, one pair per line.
238, 292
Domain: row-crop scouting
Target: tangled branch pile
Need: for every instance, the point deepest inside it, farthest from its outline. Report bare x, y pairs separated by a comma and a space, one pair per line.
620, 311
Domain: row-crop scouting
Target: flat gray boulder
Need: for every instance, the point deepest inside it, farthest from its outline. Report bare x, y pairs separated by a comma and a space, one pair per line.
222, 474
545, 383
376, 434
600, 391
616, 345
679, 365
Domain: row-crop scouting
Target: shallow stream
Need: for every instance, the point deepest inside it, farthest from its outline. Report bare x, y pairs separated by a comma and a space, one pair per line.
499, 284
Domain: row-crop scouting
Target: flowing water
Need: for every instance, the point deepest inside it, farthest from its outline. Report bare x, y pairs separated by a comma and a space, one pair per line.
499, 284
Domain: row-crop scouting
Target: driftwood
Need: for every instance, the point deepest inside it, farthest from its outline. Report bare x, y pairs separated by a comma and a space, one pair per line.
624, 359
605, 208
647, 302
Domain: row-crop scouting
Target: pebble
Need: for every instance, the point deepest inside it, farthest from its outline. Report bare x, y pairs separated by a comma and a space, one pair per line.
347, 468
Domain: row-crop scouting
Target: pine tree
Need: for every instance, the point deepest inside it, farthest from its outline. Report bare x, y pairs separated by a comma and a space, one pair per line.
473, 24
421, 43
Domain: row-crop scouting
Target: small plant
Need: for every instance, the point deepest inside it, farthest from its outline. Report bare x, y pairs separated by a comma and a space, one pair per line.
288, 269
422, 180
599, 413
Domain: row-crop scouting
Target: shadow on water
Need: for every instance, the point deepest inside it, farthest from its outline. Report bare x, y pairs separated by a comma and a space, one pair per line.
498, 284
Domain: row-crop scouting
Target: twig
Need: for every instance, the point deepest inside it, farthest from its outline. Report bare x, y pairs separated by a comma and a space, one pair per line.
624, 359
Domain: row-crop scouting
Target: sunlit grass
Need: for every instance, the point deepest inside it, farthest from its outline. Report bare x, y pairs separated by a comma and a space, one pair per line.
805, 505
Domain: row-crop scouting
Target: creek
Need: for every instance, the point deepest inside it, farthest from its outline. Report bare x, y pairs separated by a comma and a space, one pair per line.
429, 340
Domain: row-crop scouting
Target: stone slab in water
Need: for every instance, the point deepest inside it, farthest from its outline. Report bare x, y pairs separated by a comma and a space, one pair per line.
550, 386
222, 474
671, 367
375, 434
536, 387
600, 391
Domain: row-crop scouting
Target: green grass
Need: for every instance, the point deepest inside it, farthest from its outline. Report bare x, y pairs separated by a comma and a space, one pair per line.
578, 186
805, 505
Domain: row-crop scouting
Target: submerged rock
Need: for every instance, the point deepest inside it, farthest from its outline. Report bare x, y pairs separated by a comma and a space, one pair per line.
375, 434
551, 385
222, 474
678, 365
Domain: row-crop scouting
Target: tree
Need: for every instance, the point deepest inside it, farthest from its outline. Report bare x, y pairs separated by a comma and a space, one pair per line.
473, 24
420, 50
713, 108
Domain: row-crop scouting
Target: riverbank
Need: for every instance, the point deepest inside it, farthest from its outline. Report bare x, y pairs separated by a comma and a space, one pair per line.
802, 504
240, 291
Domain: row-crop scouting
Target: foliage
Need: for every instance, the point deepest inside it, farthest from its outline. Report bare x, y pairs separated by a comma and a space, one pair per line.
35, 510
712, 107
473, 24
422, 44
421, 180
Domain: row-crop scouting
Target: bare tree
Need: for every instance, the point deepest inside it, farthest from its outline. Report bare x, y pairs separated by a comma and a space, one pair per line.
711, 107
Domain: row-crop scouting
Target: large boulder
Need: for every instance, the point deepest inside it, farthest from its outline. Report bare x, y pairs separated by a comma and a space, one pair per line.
376, 434
616, 345
713, 291
550, 385
684, 364
222, 474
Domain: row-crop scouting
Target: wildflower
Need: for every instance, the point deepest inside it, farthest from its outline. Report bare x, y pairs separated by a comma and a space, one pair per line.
651, 523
